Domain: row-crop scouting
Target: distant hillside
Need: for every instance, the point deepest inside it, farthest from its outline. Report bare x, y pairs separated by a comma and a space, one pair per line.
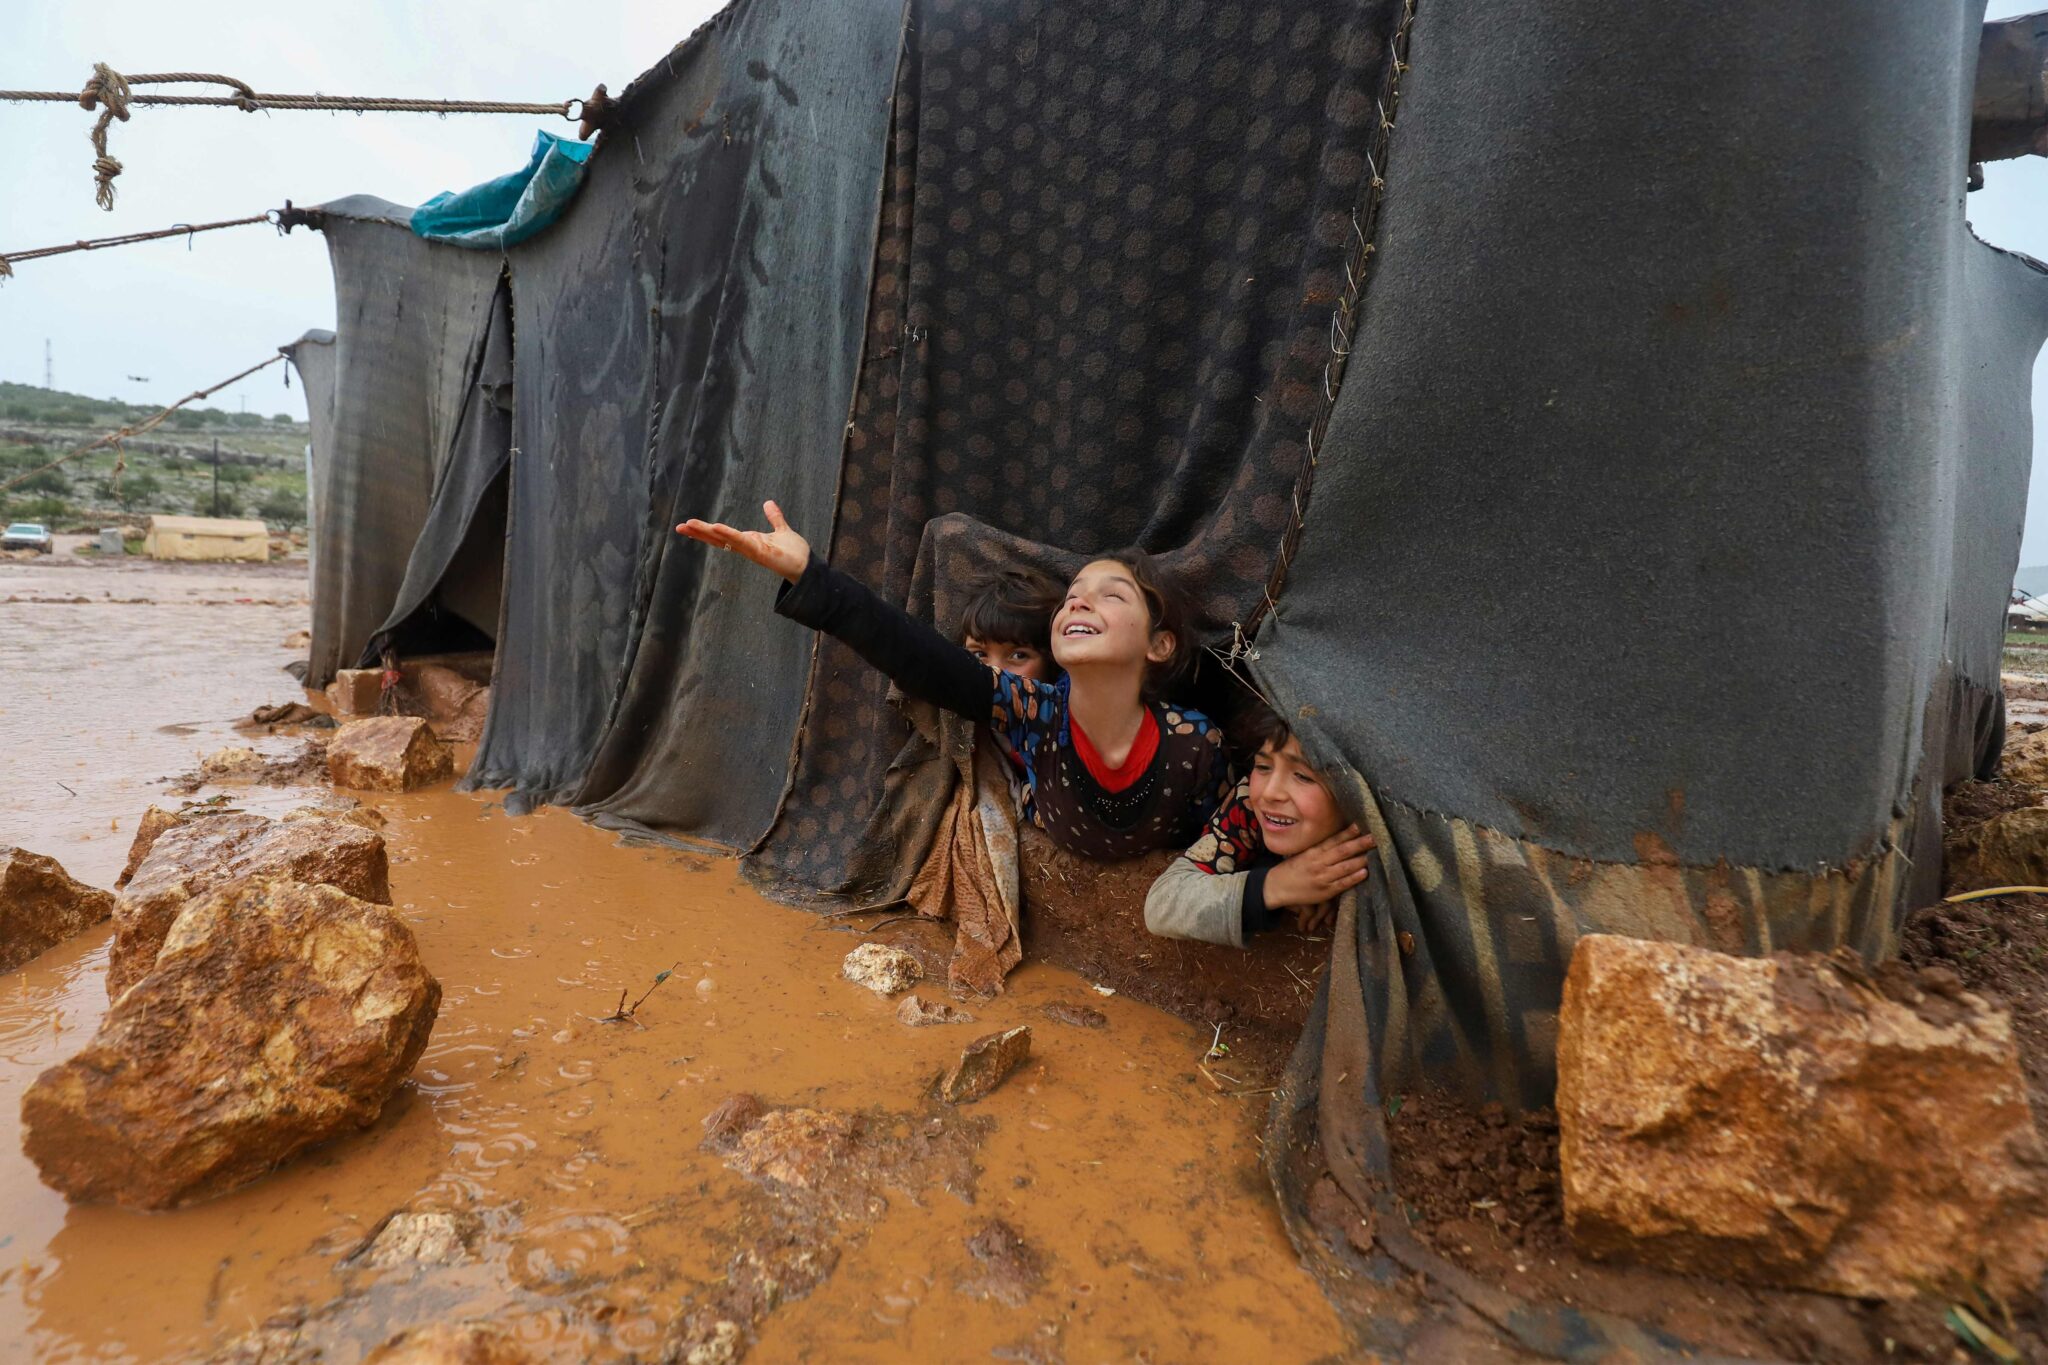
2033, 581
54, 408
171, 469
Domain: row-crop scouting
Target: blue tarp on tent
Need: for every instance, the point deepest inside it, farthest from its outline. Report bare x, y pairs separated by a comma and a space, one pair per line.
512, 208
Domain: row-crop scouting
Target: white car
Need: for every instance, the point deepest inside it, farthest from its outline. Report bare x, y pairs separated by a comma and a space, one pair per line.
26, 535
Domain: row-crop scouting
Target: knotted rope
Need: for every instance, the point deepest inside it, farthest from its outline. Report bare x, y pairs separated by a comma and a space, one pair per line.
8, 260
114, 438
114, 95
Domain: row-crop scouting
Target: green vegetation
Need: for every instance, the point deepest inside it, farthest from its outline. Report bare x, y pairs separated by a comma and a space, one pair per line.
168, 470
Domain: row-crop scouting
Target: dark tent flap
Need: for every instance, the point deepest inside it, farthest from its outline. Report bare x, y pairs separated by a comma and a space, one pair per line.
687, 341
1659, 491
469, 497
412, 320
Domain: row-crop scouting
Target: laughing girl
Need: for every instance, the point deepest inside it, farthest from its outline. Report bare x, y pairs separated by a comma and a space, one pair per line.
1278, 843
1109, 770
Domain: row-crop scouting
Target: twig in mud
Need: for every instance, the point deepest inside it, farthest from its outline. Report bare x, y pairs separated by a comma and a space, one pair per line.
62, 785
625, 1011
1218, 1049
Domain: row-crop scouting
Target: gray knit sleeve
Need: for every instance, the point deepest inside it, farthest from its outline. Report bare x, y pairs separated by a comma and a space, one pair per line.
1186, 902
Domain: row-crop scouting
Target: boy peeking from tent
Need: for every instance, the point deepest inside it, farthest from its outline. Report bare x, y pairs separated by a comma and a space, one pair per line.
1278, 843
1105, 764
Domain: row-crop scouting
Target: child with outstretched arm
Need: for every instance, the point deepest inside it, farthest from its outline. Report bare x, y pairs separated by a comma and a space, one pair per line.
1108, 768
1277, 844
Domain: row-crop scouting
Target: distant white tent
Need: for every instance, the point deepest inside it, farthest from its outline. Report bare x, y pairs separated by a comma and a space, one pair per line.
2026, 613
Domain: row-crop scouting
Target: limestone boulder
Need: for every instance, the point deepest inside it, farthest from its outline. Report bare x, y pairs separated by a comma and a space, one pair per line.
154, 822
203, 852
389, 754
1796, 1121
41, 905
278, 1015
985, 1064
2025, 760
2006, 850
455, 704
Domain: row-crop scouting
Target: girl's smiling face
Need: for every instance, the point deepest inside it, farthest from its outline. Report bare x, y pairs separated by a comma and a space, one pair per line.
1294, 809
1106, 620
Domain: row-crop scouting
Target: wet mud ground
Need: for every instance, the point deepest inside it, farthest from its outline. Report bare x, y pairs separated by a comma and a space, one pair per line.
569, 1148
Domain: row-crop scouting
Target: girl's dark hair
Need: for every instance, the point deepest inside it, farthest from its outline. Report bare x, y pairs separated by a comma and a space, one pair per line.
1014, 607
1167, 605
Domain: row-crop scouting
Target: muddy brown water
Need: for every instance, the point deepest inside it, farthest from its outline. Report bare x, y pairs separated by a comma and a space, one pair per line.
575, 1142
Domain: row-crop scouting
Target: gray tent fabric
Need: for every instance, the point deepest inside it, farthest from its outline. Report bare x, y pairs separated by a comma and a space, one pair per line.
1652, 578
312, 355
687, 339
412, 318
457, 563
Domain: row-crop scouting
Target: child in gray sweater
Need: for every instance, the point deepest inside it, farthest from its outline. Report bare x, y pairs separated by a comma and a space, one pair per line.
1277, 843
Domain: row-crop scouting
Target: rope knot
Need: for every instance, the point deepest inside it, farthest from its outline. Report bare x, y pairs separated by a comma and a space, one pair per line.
109, 85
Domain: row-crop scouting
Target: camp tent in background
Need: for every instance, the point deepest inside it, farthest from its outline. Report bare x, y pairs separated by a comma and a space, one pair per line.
206, 538
1436, 348
2027, 613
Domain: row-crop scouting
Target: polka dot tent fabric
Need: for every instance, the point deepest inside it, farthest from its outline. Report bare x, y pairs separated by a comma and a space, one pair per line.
1112, 241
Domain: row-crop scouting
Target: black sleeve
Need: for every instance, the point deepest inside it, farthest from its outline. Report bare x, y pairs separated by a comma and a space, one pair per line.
1257, 919
915, 657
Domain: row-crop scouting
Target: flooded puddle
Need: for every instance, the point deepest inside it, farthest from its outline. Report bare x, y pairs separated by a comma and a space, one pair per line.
568, 1147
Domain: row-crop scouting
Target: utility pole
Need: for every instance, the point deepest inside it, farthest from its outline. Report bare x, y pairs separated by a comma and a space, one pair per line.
216, 476
49, 370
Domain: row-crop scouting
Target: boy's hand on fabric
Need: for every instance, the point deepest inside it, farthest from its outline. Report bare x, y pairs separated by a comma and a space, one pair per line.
778, 548
1313, 919
1321, 873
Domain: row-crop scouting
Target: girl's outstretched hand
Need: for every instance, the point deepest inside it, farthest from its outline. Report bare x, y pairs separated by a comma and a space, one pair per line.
778, 548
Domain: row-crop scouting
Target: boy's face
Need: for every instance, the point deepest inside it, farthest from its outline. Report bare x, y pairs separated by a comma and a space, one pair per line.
1294, 809
1025, 661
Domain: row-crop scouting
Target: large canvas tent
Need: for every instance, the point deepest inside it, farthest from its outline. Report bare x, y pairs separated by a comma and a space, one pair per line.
1433, 348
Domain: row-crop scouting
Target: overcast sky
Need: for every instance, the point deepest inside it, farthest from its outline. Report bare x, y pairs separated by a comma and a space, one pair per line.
181, 319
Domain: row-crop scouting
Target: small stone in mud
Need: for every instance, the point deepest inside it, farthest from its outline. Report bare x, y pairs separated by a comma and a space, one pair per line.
882, 969
451, 1343
388, 753
795, 1146
362, 817
235, 760
1077, 1016
430, 1238
41, 905
356, 692
286, 713
1332, 1213
986, 1064
918, 1012
733, 1116
1010, 1270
